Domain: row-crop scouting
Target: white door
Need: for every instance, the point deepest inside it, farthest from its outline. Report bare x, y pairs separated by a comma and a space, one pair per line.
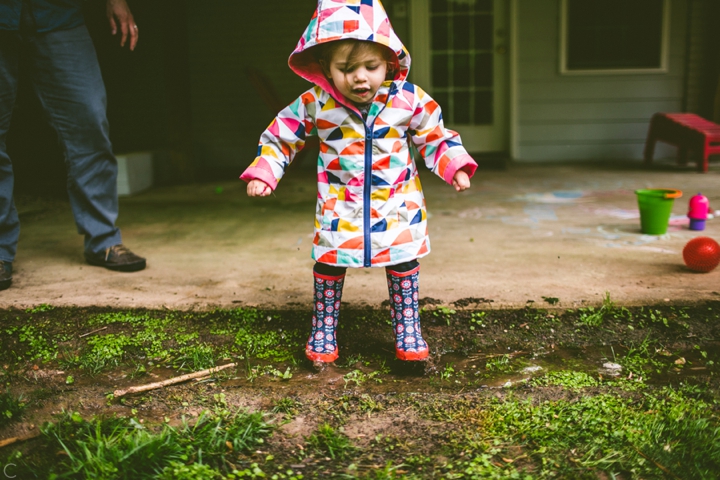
460, 56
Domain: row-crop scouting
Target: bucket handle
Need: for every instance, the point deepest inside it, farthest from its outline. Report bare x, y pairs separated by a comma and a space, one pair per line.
673, 194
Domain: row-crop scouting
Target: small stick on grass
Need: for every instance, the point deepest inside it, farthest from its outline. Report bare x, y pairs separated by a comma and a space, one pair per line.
664, 469
9, 441
94, 331
170, 381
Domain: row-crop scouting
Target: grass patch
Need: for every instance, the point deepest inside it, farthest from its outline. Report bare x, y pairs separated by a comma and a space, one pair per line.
11, 407
565, 378
184, 341
668, 432
122, 448
327, 441
592, 317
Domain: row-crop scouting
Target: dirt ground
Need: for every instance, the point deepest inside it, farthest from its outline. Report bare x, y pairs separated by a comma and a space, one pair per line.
530, 231
429, 419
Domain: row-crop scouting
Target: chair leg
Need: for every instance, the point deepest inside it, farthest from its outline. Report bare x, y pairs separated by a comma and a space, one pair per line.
682, 155
649, 148
703, 167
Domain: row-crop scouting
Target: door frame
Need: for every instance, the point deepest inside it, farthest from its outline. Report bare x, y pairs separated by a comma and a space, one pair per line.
420, 72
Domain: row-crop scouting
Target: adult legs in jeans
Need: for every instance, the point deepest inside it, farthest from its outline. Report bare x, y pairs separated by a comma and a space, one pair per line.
64, 71
62, 67
9, 222
9, 70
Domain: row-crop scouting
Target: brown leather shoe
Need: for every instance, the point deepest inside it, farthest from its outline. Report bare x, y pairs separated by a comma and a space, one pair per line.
5, 274
118, 258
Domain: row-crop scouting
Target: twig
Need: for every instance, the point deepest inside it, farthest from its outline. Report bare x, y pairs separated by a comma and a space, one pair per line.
171, 381
664, 469
94, 331
10, 441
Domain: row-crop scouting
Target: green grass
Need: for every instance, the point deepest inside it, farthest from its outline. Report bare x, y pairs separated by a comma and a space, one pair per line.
184, 341
565, 378
358, 377
122, 448
592, 317
327, 441
11, 407
287, 405
645, 437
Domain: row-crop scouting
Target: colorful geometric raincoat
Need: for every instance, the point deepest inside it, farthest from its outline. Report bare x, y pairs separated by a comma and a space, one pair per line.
370, 209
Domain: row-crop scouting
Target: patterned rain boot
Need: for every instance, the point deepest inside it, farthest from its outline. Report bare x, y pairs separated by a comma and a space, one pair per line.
405, 311
322, 344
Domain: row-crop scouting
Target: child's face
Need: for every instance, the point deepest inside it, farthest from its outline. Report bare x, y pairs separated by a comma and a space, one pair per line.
360, 81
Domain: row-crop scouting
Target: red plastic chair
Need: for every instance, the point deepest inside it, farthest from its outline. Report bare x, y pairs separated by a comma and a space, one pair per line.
688, 132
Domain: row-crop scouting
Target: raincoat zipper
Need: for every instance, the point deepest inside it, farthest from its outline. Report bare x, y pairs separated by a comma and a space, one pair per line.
367, 184
367, 181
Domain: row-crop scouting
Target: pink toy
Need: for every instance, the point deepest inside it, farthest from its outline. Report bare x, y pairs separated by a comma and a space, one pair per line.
698, 212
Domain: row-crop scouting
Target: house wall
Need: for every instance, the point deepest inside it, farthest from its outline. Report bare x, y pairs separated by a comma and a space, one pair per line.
559, 117
225, 38
584, 117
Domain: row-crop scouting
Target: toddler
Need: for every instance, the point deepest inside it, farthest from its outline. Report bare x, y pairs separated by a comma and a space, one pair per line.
370, 209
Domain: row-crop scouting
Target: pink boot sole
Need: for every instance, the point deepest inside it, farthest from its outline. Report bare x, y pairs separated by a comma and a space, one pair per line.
321, 357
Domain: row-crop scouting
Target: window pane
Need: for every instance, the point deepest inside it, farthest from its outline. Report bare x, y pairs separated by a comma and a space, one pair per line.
483, 32
484, 70
440, 69
462, 47
604, 34
484, 6
461, 70
439, 33
483, 108
461, 7
461, 32
461, 107
439, 6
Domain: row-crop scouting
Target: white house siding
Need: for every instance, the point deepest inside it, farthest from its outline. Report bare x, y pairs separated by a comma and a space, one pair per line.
586, 117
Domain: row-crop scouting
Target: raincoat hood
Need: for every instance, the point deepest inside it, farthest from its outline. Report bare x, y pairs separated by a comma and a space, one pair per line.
334, 20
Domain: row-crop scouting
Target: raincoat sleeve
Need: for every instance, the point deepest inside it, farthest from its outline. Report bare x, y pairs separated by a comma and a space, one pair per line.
282, 140
441, 148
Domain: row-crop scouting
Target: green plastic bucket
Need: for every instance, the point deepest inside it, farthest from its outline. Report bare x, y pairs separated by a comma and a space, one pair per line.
655, 209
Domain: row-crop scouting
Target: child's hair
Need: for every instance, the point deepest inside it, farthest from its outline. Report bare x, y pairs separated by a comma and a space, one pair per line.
325, 52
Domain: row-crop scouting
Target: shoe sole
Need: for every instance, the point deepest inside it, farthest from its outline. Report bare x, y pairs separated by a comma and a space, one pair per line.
322, 357
412, 356
5, 284
129, 267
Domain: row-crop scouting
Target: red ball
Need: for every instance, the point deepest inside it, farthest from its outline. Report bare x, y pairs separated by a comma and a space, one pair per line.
702, 254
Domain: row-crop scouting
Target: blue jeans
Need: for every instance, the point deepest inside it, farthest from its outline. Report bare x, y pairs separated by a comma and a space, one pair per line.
63, 69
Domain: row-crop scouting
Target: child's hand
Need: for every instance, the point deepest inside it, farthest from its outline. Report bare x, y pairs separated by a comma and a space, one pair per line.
461, 181
258, 188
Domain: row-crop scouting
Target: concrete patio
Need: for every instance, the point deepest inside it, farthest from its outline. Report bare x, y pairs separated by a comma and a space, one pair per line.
569, 231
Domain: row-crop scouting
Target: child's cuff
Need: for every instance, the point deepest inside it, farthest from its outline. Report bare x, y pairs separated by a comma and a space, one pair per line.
259, 173
463, 162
